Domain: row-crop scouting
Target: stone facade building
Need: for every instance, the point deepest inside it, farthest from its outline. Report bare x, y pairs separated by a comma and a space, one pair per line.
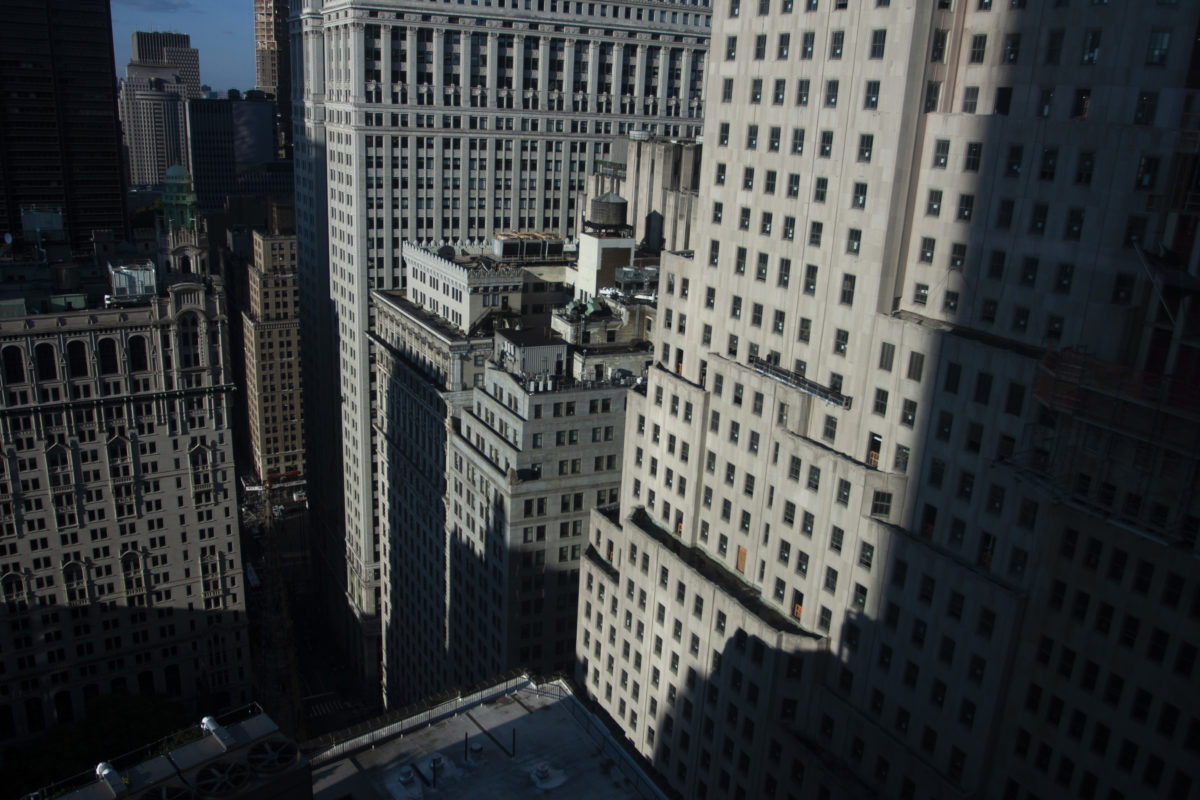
271, 330
121, 567
932, 365
432, 125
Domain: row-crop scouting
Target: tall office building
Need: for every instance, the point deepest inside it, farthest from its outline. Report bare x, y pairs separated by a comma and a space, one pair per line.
57, 70
273, 64
938, 536
121, 566
500, 426
271, 327
440, 128
162, 75
231, 149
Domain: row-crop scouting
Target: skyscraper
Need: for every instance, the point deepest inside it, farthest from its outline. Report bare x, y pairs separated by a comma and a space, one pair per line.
441, 129
162, 75
272, 348
272, 64
60, 145
931, 354
121, 567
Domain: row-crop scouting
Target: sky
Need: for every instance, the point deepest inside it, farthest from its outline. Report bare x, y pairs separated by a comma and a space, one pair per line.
222, 30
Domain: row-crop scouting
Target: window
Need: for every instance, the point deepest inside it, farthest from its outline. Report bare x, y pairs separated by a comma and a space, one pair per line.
865, 143
723, 135
797, 142
837, 41
730, 48
808, 43
973, 157
756, 90
881, 400
937, 52
1083, 101
831, 93
941, 153
978, 48
751, 137
1012, 48
927, 247
744, 219
1156, 50
774, 135
780, 91
1074, 227
859, 198
847, 297
760, 47
1091, 46
1037, 220
727, 90
970, 99
966, 206
1147, 106
793, 187
841, 342
878, 41
814, 234
819, 188
1147, 173
826, 144
1085, 166
908, 414
871, 97
1049, 164
887, 354
718, 214
720, 178
785, 42
933, 206
933, 92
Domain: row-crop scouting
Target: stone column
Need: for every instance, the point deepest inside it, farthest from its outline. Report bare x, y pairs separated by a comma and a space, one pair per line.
493, 67
640, 80
410, 61
385, 71
593, 81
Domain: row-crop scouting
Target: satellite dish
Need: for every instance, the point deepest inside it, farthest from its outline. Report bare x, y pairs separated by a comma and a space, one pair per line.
8, 238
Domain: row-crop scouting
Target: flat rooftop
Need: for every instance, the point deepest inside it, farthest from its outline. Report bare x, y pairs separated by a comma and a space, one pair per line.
562, 750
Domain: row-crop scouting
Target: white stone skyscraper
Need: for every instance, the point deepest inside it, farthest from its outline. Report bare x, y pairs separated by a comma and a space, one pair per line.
438, 124
932, 356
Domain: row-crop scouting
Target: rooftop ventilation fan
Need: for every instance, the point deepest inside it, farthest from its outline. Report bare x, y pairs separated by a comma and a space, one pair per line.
222, 778
273, 755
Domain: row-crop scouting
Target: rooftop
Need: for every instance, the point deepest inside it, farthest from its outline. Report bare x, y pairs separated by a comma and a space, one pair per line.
516, 739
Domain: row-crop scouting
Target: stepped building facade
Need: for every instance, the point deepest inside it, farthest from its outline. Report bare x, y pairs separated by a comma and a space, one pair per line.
435, 125
933, 359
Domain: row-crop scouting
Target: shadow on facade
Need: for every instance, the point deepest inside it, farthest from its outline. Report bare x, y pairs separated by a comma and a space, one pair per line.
70, 660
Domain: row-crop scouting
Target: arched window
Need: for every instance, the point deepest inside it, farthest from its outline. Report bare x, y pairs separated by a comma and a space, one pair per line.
47, 362
138, 362
14, 365
108, 357
77, 361
189, 341
13, 587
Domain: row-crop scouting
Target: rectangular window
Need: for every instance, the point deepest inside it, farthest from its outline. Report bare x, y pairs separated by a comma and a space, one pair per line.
802, 89
978, 48
878, 41
970, 99
871, 96
866, 142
